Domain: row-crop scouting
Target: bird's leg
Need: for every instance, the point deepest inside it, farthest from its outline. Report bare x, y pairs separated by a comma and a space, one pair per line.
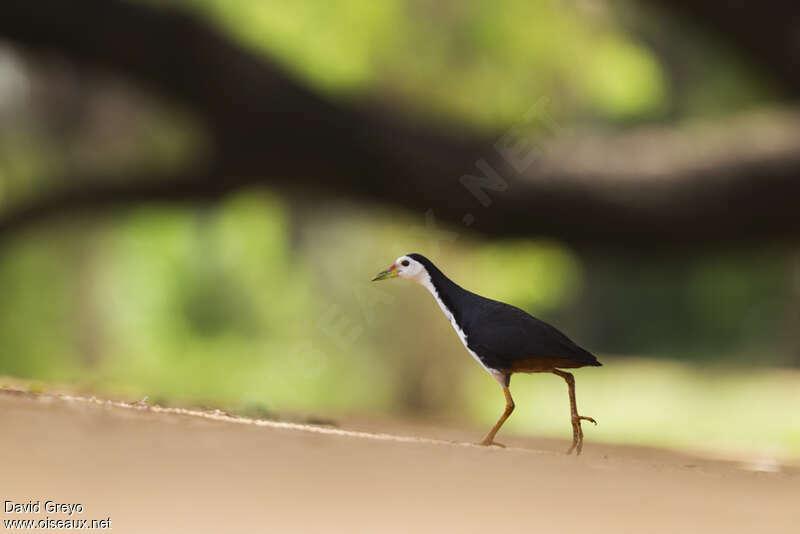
489, 439
577, 431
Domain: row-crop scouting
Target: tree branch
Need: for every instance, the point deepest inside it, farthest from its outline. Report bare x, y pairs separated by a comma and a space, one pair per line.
652, 188
100, 193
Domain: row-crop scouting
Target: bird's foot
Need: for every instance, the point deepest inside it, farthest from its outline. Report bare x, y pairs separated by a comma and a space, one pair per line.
579, 418
490, 443
576, 445
577, 433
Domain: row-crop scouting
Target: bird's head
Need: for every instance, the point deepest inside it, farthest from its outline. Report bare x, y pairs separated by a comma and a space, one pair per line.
404, 267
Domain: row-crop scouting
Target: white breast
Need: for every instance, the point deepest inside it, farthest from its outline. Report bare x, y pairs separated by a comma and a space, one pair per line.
425, 280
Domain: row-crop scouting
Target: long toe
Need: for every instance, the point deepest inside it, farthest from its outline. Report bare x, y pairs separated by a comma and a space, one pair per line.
579, 418
577, 435
491, 443
575, 445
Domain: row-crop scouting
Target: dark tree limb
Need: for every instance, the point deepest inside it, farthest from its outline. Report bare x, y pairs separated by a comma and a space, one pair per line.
102, 193
653, 188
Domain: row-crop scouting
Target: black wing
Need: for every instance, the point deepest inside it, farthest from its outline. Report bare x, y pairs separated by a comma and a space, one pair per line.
501, 333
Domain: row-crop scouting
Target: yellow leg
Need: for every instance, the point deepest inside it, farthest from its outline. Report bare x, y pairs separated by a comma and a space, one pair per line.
489, 439
577, 431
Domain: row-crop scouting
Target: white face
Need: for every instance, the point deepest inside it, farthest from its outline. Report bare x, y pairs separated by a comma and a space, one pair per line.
410, 269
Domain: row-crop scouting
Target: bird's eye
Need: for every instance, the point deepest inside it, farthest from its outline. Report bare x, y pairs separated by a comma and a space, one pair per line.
404, 263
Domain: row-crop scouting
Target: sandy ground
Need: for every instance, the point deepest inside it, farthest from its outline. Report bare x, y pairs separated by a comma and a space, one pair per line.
152, 471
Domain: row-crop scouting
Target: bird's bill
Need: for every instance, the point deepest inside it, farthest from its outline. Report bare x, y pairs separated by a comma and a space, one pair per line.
391, 272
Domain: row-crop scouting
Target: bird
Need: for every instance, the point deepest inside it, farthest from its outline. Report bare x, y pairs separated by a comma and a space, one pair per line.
503, 338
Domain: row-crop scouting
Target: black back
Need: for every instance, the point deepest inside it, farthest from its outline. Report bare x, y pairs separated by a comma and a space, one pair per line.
500, 333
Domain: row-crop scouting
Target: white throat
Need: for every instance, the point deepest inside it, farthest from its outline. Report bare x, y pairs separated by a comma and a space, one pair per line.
424, 279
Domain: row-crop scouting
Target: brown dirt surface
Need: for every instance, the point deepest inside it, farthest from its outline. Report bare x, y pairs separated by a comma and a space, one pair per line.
154, 470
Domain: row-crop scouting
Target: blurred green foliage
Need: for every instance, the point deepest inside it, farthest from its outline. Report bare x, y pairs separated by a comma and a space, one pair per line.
483, 61
537, 275
488, 62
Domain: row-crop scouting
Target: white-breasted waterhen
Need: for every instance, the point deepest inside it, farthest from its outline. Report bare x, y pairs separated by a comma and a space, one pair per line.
502, 338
